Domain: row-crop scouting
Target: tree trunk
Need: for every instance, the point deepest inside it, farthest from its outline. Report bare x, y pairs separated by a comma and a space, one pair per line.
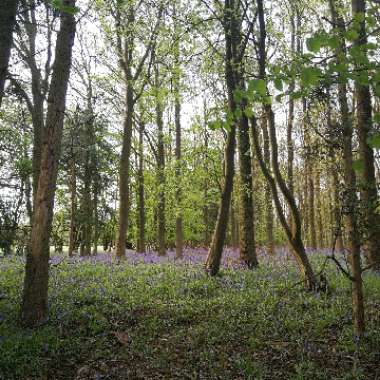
206, 210
87, 203
337, 212
124, 176
232, 37
7, 23
178, 141
141, 193
95, 215
311, 205
247, 233
161, 222
368, 187
73, 214
35, 293
234, 226
353, 239
294, 235
216, 249
268, 195
319, 220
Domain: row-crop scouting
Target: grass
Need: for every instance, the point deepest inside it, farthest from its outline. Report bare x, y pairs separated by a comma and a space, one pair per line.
167, 321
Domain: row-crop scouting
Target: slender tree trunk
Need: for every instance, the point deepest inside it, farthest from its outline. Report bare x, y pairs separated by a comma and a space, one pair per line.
368, 186
294, 37
141, 193
268, 195
206, 210
215, 252
161, 222
305, 204
73, 214
87, 204
7, 23
178, 194
353, 239
38, 135
309, 178
124, 175
28, 185
337, 224
178, 142
232, 37
95, 207
319, 220
234, 226
34, 302
247, 233
311, 206
295, 235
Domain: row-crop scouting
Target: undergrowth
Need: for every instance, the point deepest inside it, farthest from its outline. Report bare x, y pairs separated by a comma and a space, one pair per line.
162, 321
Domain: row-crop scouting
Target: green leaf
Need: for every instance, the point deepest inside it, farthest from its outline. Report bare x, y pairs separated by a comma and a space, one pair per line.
215, 125
296, 95
61, 6
257, 86
248, 112
238, 95
267, 100
376, 76
359, 16
333, 42
352, 35
238, 113
278, 84
376, 117
314, 43
374, 141
358, 166
310, 76
377, 90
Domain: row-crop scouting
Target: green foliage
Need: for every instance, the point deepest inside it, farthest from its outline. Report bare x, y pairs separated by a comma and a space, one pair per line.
256, 87
61, 6
358, 166
310, 76
315, 43
374, 141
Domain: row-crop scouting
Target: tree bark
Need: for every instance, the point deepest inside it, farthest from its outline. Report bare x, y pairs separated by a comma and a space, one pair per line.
141, 193
161, 221
34, 301
353, 239
178, 142
232, 37
206, 209
7, 23
73, 213
247, 233
318, 209
124, 175
368, 186
86, 198
267, 194
311, 205
294, 235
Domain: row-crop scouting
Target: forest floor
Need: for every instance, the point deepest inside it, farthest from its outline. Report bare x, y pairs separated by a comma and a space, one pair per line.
150, 318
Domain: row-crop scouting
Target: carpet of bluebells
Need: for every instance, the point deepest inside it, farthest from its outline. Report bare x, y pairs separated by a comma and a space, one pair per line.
151, 317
